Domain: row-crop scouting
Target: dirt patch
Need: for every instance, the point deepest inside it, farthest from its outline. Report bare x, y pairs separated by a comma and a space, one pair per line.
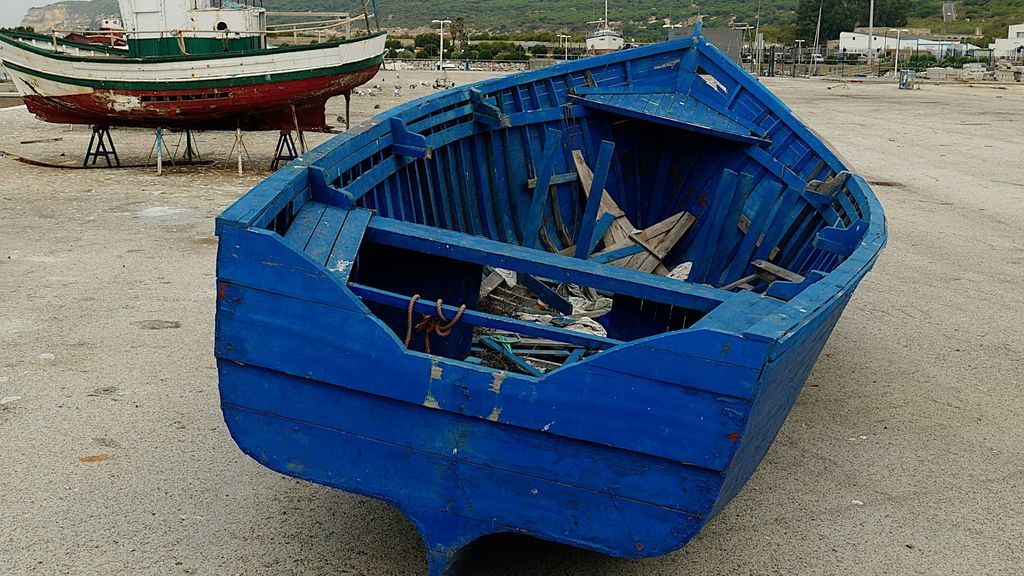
888, 184
158, 324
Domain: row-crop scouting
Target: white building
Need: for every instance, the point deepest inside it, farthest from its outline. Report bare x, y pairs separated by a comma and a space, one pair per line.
857, 43
1007, 47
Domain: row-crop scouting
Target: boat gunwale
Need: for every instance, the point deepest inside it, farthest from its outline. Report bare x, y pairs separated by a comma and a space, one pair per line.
747, 357
9, 38
212, 82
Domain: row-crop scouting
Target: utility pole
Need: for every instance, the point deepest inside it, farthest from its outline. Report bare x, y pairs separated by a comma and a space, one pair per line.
871, 30
817, 37
440, 63
896, 64
799, 55
671, 28
757, 37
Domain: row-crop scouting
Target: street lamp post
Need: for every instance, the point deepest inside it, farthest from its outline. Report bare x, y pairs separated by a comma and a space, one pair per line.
885, 50
671, 28
896, 63
799, 53
565, 39
871, 30
440, 63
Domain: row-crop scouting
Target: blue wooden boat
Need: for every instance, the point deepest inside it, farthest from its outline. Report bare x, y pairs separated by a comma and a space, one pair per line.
615, 173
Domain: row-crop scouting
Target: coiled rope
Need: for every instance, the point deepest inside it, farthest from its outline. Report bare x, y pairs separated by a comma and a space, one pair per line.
430, 324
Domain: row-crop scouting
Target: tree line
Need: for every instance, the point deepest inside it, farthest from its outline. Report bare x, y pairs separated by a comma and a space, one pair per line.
845, 15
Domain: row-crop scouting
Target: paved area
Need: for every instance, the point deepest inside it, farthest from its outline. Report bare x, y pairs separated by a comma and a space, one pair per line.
902, 456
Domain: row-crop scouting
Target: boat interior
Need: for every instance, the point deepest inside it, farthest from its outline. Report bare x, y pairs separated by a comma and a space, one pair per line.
530, 222
62, 46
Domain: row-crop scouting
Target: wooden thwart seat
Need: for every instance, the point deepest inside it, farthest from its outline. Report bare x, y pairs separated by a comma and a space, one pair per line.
331, 236
460, 246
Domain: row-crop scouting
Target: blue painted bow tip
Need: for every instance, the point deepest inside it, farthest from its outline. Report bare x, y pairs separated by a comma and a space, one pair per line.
574, 304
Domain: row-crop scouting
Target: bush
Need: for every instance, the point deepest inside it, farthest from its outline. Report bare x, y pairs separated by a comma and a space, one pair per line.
511, 55
428, 40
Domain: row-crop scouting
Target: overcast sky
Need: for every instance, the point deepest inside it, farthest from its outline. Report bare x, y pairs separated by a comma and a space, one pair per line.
12, 11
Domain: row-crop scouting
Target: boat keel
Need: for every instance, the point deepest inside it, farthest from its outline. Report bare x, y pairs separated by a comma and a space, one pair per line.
448, 540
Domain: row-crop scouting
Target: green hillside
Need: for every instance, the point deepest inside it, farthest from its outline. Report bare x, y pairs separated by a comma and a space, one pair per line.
639, 18
529, 15
992, 16
93, 9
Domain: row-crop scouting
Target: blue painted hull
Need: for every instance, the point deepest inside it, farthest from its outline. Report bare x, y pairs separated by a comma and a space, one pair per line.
633, 445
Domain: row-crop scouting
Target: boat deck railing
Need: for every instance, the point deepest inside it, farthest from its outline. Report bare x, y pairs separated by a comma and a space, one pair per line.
320, 28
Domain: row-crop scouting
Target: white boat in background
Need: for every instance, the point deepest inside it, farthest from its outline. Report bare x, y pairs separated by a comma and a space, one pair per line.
604, 39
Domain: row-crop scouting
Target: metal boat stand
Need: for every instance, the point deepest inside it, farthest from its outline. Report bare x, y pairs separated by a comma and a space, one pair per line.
240, 146
286, 150
191, 148
101, 145
159, 146
348, 110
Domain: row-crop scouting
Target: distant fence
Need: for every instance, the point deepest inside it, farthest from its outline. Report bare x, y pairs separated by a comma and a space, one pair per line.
454, 65
841, 70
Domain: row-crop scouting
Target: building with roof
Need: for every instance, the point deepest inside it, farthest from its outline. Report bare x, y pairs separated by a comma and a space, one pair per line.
1012, 46
857, 43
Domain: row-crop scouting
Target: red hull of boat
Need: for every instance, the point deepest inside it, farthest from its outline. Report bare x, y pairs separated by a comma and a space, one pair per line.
256, 107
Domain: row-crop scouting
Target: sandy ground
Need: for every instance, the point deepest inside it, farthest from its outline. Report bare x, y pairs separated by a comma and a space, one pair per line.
902, 456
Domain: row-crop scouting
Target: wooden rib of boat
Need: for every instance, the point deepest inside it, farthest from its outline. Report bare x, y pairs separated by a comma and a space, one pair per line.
727, 237
214, 71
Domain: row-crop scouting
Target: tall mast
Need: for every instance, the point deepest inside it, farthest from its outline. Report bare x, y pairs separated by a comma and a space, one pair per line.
817, 31
606, 26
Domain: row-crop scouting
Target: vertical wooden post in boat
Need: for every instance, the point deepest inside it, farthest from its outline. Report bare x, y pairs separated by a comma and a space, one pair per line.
619, 228
552, 144
604, 164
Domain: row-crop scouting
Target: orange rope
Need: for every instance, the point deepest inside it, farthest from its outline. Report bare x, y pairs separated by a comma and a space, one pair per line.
430, 324
408, 319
